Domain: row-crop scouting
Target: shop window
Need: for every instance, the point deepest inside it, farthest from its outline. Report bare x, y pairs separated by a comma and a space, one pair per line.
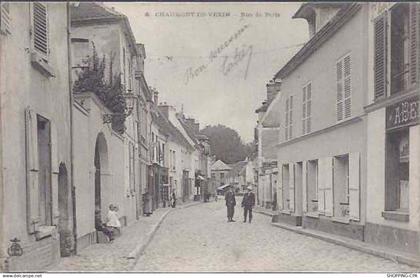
44, 158
397, 172
312, 185
285, 188
341, 185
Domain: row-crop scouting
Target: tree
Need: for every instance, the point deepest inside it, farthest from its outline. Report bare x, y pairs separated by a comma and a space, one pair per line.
226, 144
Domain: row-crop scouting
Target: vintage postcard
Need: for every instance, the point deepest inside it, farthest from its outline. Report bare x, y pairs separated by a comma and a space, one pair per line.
210, 137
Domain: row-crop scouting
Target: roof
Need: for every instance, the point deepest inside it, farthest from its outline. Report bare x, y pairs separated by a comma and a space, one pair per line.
93, 13
187, 129
342, 16
237, 168
166, 127
219, 166
306, 8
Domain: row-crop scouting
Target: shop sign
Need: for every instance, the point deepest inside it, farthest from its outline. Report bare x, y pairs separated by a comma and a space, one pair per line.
403, 113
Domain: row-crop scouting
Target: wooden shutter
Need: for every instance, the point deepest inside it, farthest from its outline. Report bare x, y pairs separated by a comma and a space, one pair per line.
340, 95
40, 27
380, 57
308, 107
292, 186
5, 19
321, 191
286, 126
414, 40
354, 186
280, 188
291, 118
304, 186
328, 184
32, 170
55, 161
347, 86
304, 110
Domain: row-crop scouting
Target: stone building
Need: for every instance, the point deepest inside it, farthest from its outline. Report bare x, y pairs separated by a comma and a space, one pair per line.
267, 137
106, 146
393, 131
35, 130
321, 154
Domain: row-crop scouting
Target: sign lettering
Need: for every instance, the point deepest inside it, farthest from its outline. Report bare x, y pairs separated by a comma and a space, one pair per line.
403, 113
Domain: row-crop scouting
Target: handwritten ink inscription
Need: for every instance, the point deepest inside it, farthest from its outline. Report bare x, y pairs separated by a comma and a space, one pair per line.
403, 113
228, 62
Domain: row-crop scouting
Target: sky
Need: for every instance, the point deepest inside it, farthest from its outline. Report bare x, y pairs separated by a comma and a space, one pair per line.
213, 60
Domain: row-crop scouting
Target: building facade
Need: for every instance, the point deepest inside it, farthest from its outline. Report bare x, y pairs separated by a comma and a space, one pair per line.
322, 186
392, 108
35, 131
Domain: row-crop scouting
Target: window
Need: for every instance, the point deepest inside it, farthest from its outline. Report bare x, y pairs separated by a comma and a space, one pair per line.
222, 176
40, 28
285, 181
397, 171
213, 176
401, 25
306, 109
174, 161
5, 19
344, 88
131, 169
312, 185
124, 79
341, 185
289, 118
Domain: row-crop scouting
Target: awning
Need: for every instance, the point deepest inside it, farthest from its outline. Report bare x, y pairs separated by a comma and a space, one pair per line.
201, 178
223, 186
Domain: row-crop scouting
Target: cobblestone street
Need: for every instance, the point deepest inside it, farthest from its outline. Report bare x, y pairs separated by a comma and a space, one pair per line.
198, 238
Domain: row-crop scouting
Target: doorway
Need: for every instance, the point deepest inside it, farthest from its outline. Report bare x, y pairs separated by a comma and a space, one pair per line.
101, 167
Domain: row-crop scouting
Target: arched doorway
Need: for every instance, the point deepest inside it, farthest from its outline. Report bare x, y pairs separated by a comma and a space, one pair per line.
101, 168
66, 236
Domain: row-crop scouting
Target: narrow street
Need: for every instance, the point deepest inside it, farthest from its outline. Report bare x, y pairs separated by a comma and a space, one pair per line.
199, 238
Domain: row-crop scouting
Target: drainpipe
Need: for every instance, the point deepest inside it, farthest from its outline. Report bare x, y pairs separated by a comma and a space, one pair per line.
71, 100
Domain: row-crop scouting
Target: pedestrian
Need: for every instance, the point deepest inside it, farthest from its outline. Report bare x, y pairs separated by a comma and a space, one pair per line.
248, 202
113, 223
173, 199
215, 195
230, 203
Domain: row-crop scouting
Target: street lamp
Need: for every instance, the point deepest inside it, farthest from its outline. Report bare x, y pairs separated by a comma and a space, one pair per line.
130, 100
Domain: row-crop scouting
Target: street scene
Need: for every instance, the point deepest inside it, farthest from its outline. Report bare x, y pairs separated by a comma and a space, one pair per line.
209, 137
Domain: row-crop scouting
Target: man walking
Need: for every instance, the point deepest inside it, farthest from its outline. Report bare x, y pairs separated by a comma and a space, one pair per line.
230, 204
248, 203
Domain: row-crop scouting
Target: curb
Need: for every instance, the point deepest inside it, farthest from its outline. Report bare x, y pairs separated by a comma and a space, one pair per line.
359, 246
139, 250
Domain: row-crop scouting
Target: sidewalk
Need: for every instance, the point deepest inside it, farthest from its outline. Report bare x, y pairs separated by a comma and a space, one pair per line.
122, 254
361, 246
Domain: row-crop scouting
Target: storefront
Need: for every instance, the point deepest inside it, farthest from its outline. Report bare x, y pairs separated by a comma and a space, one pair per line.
393, 218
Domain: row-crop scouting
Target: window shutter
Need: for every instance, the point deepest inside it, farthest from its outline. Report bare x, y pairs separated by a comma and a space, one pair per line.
286, 127
292, 186
308, 107
340, 96
414, 40
40, 25
291, 117
328, 186
304, 186
347, 86
380, 58
304, 110
280, 188
321, 191
32, 170
5, 19
54, 171
354, 186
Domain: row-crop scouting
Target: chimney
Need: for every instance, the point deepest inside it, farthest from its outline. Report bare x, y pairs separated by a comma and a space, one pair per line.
273, 88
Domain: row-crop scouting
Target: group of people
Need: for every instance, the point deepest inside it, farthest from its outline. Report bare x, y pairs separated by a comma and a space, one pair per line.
112, 223
248, 202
